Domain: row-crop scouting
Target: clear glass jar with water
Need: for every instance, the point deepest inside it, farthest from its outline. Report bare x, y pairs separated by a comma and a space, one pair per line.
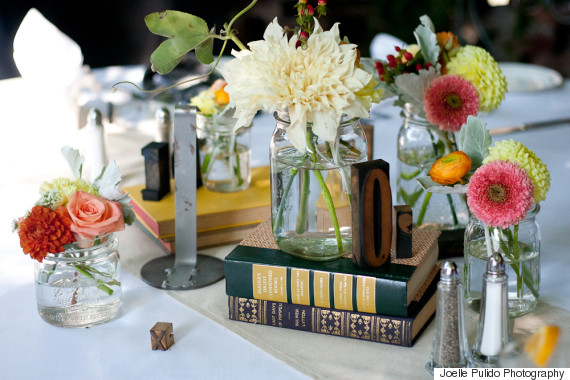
520, 247
310, 190
420, 144
225, 155
80, 287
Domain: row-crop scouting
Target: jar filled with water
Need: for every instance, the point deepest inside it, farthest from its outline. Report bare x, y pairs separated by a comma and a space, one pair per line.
310, 189
519, 245
80, 287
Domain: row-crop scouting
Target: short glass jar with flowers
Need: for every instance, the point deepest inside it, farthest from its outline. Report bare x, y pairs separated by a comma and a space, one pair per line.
224, 154
438, 84
504, 196
70, 233
504, 185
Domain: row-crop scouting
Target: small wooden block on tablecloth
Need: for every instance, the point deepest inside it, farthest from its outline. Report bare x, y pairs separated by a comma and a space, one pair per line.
161, 336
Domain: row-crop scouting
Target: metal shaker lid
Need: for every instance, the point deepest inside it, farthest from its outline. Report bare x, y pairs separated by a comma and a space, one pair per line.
449, 273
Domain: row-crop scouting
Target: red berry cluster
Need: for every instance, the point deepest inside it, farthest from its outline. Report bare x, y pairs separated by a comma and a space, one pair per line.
403, 62
305, 14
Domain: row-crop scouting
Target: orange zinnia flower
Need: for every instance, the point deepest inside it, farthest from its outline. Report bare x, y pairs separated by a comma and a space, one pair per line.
45, 231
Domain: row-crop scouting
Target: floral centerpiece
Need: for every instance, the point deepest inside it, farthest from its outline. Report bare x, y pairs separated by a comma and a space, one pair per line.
438, 83
504, 183
69, 232
313, 83
224, 155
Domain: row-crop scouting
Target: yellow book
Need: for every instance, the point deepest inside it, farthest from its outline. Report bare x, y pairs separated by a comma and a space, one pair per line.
214, 210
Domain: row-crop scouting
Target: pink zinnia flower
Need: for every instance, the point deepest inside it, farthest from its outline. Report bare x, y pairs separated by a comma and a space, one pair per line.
448, 101
500, 193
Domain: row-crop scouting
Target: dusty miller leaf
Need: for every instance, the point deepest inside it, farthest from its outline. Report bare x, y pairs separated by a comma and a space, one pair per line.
426, 38
108, 181
185, 32
433, 187
474, 140
74, 159
411, 87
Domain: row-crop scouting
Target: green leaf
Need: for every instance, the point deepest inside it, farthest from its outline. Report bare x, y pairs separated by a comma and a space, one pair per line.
74, 159
204, 52
474, 140
184, 31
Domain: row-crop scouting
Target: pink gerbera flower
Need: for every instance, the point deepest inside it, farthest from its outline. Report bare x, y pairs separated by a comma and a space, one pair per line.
448, 101
500, 193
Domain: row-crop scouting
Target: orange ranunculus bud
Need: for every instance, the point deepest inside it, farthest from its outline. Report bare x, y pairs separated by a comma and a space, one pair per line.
450, 169
222, 96
447, 41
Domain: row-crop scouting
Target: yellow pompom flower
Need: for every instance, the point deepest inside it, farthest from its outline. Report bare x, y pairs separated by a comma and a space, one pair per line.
517, 153
67, 187
478, 67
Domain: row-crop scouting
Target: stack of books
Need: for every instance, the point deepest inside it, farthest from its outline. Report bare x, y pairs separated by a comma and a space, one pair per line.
221, 217
389, 304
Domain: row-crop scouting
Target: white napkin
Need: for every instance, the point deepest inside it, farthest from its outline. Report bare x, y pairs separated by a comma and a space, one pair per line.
383, 44
46, 56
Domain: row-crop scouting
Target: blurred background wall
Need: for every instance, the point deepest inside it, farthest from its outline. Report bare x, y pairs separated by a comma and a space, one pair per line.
112, 32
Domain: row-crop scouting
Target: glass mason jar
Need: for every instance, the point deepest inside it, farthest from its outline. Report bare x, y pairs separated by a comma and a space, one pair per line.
224, 155
520, 247
310, 191
80, 287
420, 144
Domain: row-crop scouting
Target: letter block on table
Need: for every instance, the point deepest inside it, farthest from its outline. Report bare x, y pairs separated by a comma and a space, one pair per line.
403, 229
161, 336
371, 213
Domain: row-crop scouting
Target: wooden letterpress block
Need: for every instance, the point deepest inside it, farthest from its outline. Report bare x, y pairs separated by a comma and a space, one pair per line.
161, 336
371, 213
157, 171
403, 231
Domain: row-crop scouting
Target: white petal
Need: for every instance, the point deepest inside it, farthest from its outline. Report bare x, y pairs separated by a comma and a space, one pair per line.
325, 124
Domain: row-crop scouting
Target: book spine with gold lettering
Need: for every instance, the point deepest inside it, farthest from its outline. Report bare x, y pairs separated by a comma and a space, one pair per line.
364, 326
284, 278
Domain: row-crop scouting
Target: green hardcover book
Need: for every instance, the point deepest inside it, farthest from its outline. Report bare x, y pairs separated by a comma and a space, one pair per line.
257, 269
401, 331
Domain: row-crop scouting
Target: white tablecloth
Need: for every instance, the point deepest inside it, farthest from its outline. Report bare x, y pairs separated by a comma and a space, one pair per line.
208, 345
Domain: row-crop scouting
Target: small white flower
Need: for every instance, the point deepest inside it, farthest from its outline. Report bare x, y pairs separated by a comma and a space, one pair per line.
317, 84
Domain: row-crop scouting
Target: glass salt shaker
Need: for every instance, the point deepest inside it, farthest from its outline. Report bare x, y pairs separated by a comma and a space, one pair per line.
449, 348
493, 328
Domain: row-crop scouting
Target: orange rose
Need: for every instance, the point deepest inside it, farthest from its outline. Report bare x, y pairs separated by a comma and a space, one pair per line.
450, 169
94, 216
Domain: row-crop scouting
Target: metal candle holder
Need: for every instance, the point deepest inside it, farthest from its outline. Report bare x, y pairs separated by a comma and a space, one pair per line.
187, 269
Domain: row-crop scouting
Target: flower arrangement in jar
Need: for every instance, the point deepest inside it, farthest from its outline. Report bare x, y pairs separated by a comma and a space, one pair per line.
317, 89
70, 233
438, 83
504, 184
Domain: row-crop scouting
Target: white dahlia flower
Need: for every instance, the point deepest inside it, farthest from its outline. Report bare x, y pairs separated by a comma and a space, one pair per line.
316, 84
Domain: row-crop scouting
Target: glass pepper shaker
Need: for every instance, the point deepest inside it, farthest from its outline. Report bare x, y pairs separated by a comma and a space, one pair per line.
493, 328
449, 339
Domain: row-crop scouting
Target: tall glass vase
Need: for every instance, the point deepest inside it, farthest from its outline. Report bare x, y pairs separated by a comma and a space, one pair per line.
310, 190
420, 144
520, 247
